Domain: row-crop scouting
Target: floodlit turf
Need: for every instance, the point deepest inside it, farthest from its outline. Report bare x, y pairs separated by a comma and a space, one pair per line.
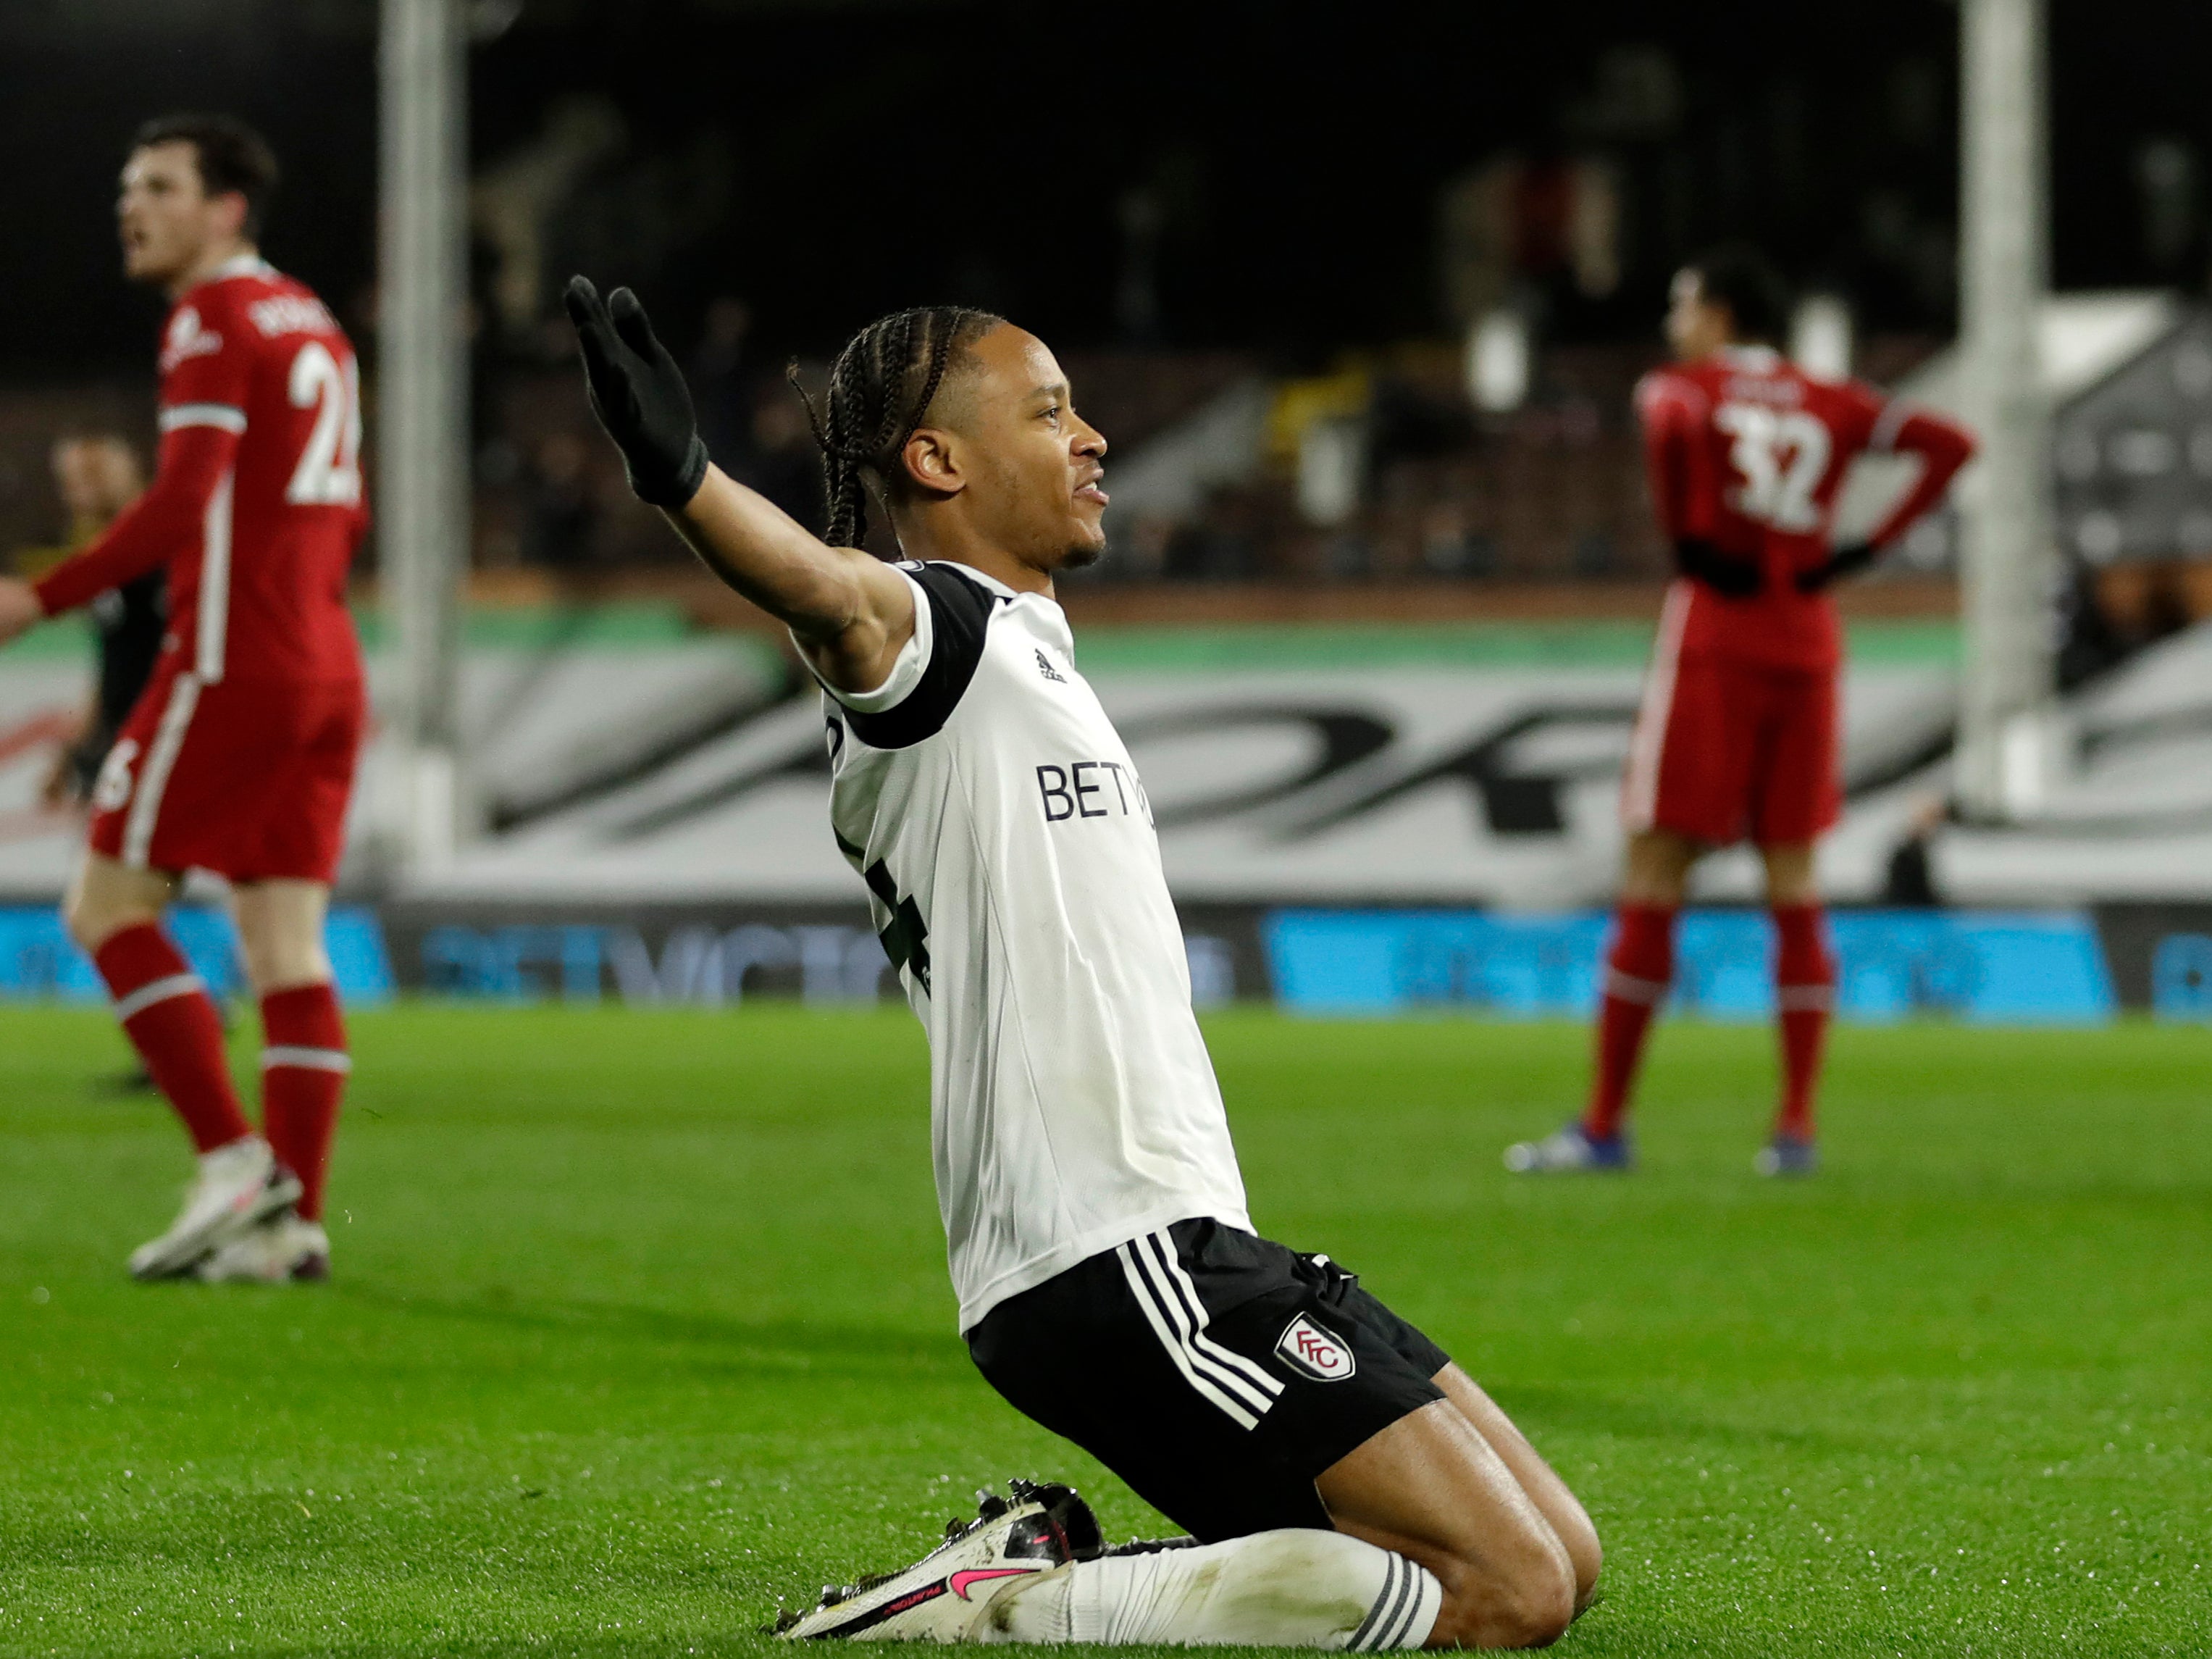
641, 1326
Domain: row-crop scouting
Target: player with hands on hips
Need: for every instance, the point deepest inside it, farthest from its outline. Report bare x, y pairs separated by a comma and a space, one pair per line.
1737, 736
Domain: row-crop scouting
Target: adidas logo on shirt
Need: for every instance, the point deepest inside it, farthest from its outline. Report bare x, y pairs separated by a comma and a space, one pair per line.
1045, 668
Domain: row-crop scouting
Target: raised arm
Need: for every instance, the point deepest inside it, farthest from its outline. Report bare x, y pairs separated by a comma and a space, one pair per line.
850, 613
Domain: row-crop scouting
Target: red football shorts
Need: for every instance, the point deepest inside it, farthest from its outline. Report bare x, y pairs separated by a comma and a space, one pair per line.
250, 779
1727, 750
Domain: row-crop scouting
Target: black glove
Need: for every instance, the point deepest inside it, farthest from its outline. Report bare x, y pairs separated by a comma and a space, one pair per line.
1739, 579
1838, 564
639, 395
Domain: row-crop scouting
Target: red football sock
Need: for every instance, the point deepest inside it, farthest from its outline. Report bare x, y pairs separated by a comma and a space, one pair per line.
1804, 991
303, 1071
165, 1013
1637, 971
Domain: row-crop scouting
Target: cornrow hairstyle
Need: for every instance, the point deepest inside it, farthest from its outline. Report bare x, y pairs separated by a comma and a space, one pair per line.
880, 389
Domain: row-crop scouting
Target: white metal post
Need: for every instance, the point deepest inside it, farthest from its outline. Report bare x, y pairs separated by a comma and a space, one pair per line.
422, 431
2006, 744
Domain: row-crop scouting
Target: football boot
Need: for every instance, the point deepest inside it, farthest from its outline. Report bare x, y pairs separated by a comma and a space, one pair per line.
238, 1186
942, 1596
281, 1250
1570, 1148
1787, 1155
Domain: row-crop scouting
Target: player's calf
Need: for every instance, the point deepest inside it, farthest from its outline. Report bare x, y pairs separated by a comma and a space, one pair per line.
165, 1010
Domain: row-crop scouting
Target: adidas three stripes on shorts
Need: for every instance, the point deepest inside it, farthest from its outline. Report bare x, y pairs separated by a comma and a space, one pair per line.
1216, 1372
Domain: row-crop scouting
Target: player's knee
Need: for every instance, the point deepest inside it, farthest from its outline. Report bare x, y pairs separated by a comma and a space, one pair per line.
93, 919
1537, 1611
280, 965
1658, 867
82, 920
1587, 1557
1529, 1605
280, 936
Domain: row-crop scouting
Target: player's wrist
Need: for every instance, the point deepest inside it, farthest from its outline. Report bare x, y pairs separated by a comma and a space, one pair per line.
658, 482
1852, 556
1700, 561
54, 593
20, 609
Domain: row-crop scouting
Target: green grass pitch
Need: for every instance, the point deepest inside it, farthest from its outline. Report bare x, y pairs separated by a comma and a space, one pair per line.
640, 1325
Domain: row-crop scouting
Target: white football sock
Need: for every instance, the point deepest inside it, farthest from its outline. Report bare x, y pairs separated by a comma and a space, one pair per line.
1295, 1587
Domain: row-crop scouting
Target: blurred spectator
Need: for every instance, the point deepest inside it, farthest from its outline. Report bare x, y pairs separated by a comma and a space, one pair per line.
515, 202
1911, 881
1143, 554
96, 475
1449, 545
722, 382
1596, 555
779, 458
1545, 224
2166, 608
561, 507
1347, 555
2089, 641
1410, 421
1218, 544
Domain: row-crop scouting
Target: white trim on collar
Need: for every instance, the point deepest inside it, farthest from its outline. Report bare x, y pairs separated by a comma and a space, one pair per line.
1759, 359
243, 264
990, 582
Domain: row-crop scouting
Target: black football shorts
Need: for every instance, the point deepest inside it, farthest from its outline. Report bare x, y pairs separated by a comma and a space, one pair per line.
1216, 1373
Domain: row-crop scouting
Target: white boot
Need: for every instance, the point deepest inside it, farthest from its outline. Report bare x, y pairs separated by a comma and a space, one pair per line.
283, 1249
237, 1186
941, 1596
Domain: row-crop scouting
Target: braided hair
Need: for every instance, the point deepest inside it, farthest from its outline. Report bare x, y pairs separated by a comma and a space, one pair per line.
880, 389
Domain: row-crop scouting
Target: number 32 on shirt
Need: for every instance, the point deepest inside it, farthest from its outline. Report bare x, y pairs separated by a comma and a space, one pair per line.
1781, 455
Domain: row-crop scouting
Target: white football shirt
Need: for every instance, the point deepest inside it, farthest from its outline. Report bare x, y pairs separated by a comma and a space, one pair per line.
1015, 878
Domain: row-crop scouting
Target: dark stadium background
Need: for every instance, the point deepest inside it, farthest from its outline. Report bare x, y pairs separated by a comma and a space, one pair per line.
1295, 150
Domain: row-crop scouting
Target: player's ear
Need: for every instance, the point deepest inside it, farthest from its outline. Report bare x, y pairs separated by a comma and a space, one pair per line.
933, 462
230, 211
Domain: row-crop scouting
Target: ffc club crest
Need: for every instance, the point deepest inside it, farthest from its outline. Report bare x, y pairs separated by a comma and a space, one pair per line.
1322, 1355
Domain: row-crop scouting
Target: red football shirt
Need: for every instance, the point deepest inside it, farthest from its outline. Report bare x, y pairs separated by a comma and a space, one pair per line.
257, 503
1748, 452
